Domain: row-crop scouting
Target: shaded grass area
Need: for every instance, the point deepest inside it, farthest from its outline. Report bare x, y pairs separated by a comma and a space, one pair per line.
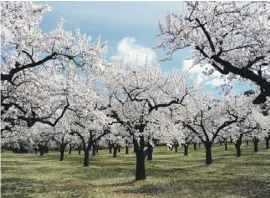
169, 175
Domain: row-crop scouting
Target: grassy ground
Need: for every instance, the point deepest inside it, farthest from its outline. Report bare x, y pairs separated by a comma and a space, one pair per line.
169, 175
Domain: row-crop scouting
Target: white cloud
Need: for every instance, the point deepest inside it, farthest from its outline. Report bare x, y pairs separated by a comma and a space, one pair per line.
132, 53
215, 82
197, 70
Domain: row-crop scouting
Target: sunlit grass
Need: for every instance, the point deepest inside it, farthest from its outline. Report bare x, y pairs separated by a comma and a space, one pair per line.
169, 175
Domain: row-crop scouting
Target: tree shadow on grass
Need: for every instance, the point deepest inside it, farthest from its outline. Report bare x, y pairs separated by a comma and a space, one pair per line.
205, 188
16, 187
148, 189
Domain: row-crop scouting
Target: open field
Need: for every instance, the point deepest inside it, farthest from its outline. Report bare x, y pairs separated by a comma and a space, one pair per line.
169, 175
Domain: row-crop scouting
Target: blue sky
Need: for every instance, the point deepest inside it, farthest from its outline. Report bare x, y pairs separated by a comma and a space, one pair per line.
129, 27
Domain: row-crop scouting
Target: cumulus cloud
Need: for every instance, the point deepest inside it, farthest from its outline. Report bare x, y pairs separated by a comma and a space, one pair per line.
197, 70
132, 53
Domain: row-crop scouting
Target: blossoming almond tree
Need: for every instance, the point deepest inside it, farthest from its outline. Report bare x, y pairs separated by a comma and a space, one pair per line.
206, 117
136, 93
88, 121
233, 37
30, 59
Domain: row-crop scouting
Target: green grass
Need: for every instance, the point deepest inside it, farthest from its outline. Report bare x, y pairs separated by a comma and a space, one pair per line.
169, 175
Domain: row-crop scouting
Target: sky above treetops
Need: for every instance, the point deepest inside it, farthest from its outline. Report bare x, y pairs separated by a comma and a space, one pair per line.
130, 29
